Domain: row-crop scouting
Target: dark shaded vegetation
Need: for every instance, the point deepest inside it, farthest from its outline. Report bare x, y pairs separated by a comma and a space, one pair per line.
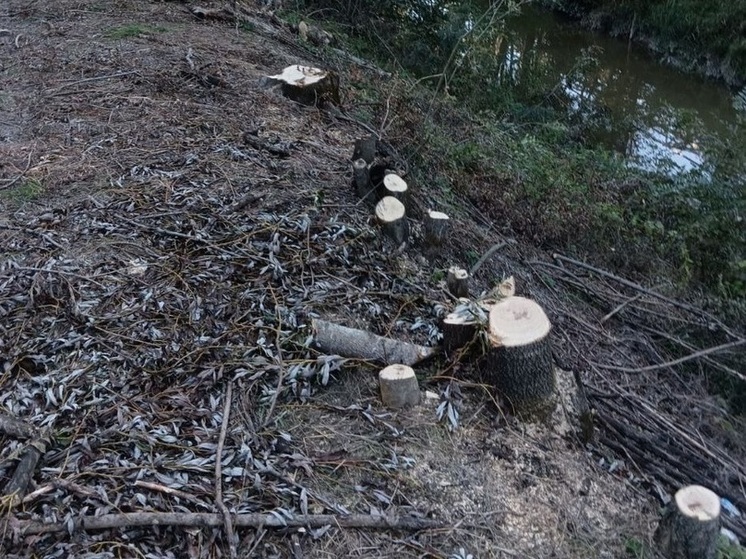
700, 27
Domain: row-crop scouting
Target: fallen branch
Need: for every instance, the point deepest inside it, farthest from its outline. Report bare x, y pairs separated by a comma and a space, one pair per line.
204, 519
348, 342
219, 474
15, 490
14, 427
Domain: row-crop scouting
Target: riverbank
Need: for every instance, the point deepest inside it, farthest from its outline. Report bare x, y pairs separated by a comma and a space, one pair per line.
706, 38
171, 224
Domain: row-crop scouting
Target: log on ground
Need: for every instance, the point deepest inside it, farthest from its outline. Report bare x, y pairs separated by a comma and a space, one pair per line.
399, 388
690, 525
519, 360
335, 339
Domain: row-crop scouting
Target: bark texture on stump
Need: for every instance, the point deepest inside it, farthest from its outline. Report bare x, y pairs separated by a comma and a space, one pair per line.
690, 525
361, 178
399, 388
519, 362
457, 281
458, 331
436, 228
365, 148
392, 216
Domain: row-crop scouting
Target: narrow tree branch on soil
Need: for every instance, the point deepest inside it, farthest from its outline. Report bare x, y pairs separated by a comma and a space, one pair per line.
204, 519
227, 521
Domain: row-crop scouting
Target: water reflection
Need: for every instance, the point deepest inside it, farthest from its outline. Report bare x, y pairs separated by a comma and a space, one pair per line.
662, 120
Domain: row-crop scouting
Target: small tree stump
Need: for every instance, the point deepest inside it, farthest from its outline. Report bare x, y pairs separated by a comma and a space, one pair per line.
436, 228
392, 216
399, 388
519, 362
457, 281
362, 178
365, 148
690, 525
458, 331
394, 185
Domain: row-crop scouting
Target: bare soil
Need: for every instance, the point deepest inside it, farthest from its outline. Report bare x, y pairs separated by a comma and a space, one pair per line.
150, 256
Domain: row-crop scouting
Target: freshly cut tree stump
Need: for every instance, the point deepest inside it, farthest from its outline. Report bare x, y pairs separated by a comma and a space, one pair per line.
519, 362
309, 86
392, 216
690, 525
457, 281
362, 178
436, 228
394, 185
399, 388
458, 331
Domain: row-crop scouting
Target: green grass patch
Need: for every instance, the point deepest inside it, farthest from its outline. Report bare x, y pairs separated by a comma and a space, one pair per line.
26, 190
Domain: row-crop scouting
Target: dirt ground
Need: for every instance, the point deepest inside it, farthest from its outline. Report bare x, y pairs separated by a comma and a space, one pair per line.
170, 225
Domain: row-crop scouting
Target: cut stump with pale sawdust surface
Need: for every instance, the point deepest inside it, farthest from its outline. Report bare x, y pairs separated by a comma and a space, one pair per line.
690, 525
436, 228
519, 361
399, 388
391, 214
457, 281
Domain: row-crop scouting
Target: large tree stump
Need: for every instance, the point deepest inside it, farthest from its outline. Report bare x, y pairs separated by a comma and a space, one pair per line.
436, 228
519, 361
399, 388
309, 86
391, 215
690, 525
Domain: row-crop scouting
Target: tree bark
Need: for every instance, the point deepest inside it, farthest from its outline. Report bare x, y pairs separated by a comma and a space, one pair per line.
457, 281
361, 176
519, 362
334, 339
399, 388
392, 216
436, 228
690, 525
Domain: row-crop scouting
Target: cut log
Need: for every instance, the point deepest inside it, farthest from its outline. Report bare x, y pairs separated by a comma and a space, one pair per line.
309, 86
394, 185
436, 228
457, 281
690, 525
519, 360
458, 331
362, 179
399, 388
334, 339
392, 216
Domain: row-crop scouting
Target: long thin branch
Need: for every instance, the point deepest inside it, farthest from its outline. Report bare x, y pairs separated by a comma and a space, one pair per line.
227, 522
695, 355
132, 519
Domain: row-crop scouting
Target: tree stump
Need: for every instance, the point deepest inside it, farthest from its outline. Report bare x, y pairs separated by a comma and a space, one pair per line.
309, 86
519, 361
399, 388
458, 331
392, 216
394, 185
690, 525
457, 281
361, 178
436, 228
365, 148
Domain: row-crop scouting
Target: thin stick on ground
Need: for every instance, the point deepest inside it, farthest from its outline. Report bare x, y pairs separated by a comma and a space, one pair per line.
205, 519
227, 522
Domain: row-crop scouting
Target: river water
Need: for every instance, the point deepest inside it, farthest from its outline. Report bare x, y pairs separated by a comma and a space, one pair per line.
661, 119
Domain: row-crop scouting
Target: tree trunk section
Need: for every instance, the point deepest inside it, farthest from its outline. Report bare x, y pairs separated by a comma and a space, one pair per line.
399, 388
458, 331
436, 228
392, 216
457, 281
690, 526
365, 148
361, 177
394, 185
519, 361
